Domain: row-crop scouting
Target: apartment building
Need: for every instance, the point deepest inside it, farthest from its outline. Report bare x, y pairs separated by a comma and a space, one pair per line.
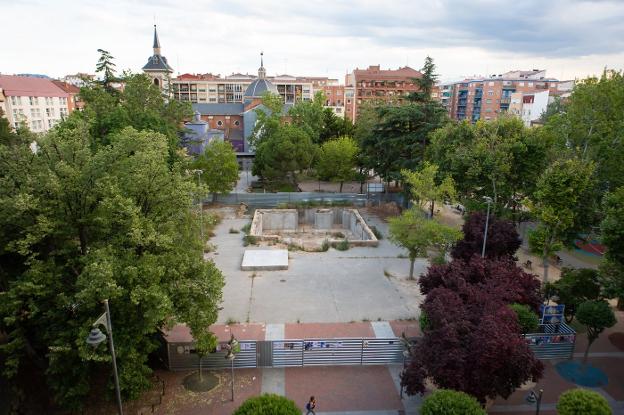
335, 98
209, 88
378, 85
486, 98
38, 102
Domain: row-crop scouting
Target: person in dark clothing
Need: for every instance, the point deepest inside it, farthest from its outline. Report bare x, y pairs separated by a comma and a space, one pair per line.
310, 406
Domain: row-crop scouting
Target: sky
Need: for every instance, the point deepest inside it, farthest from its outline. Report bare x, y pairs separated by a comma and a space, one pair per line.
569, 38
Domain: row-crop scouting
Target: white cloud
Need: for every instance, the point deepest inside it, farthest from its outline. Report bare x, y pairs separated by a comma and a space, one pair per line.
570, 38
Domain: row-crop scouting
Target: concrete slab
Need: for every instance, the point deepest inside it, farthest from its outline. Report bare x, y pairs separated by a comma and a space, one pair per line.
382, 329
265, 260
275, 332
274, 381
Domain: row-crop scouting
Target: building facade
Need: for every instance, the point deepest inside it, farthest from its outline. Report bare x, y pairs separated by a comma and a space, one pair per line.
486, 98
374, 84
37, 102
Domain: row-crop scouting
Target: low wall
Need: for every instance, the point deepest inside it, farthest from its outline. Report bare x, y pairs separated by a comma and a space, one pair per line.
269, 224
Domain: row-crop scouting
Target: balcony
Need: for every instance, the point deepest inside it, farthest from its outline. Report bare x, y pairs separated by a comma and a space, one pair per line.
505, 100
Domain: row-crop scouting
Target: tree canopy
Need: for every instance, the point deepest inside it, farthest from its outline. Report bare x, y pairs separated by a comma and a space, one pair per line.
102, 210
612, 230
576, 286
426, 187
502, 238
219, 167
337, 160
582, 401
597, 316
418, 234
450, 402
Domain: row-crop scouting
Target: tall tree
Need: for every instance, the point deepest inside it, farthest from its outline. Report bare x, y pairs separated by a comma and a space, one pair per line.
612, 229
310, 117
101, 222
418, 235
426, 82
269, 118
560, 191
106, 66
280, 155
425, 186
219, 167
575, 287
502, 238
337, 160
597, 316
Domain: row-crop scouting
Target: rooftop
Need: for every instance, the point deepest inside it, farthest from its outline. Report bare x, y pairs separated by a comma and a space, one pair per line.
25, 86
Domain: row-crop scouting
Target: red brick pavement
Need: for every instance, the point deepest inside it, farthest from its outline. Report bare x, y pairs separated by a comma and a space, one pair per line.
411, 328
340, 388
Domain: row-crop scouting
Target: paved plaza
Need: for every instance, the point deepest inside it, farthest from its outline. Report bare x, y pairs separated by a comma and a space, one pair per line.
362, 283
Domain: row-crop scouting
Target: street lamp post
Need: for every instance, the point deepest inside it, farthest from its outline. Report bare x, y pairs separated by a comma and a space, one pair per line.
232, 348
487, 222
96, 337
535, 398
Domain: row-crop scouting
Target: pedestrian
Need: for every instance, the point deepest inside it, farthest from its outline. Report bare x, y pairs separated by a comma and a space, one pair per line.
310, 406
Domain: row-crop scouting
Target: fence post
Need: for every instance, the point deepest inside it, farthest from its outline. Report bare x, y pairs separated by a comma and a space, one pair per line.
362, 353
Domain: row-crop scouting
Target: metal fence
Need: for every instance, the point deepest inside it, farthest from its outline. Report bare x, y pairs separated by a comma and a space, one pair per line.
556, 341
275, 199
182, 356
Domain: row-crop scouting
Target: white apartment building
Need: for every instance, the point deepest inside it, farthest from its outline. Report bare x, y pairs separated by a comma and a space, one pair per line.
37, 102
529, 106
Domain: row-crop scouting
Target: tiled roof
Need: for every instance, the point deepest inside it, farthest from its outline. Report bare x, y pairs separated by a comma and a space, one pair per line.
234, 108
67, 87
157, 63
259, 87
26, 86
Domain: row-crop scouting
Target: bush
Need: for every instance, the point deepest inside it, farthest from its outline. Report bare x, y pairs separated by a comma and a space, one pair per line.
245, 229
250, 240
325, 246
342, 245
450, 402
529, 321
232, 230
268, 404
424, 322
581, 402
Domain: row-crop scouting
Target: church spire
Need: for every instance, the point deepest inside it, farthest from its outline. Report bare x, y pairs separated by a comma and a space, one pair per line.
261, 70
156, 42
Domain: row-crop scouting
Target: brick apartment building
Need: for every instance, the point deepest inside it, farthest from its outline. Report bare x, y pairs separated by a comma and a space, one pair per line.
378, 85
486, 98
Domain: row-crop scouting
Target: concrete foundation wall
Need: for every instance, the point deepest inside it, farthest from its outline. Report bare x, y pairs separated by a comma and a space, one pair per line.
268, 224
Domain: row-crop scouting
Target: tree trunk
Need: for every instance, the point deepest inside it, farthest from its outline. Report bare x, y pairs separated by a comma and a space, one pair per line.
341, 183
620, 303
411, 274
432, 206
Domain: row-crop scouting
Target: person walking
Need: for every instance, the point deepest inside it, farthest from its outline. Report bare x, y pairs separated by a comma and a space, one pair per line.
310, 406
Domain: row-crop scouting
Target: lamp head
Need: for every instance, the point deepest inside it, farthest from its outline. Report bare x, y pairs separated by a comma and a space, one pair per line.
95, 337
531, 398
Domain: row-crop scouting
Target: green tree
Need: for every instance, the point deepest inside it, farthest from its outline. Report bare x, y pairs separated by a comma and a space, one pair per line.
596, 315
426, 82
425, 186
269, 118
219, 167
527, 318
309, 116
591, 126
501, 159
279, 155
576, 286
559, 192
335, 126
400, 134
82, 222
612, 227
106, 66
450, 402
418, 235
337, 160
582, 402
268, 404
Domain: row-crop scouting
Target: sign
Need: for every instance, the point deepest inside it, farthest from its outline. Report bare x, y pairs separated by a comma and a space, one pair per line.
552, 314
375, 187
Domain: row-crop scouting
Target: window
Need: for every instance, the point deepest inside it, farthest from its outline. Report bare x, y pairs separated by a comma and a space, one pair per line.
488, 110
63, 101
237, 123
490, 92
520, 83
219, 123
50, 123
33, 100
530, 84
491, 83
63, 112
212, 100
16, 100
50, 112
488, 101
35, 112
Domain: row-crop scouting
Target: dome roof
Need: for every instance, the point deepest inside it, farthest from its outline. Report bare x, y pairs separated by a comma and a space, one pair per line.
258, 87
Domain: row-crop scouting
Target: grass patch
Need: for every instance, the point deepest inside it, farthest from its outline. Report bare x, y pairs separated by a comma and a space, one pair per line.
342, 245
293, 247
245, 229
232, 230
250, 240
231, 321
376, 232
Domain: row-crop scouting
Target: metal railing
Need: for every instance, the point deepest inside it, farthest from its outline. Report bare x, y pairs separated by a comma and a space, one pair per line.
275, 199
